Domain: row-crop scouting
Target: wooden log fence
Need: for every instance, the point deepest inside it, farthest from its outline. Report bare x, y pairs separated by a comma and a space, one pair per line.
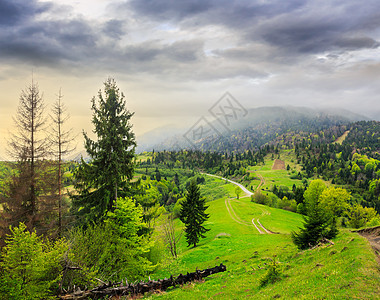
139, 288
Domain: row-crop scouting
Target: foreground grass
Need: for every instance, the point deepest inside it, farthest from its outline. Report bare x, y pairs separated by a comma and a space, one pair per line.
345, 270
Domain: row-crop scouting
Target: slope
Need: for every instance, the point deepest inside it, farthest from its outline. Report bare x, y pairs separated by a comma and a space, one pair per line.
344, 270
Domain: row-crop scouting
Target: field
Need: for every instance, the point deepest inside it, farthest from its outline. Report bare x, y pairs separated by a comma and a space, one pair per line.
345, 270
265, 173
341, 139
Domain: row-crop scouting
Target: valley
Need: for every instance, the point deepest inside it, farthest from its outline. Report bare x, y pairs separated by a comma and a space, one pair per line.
344, 270
246, 236
291, 208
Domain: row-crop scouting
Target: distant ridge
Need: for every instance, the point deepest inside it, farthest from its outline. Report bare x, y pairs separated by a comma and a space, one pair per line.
77, 156
290, 117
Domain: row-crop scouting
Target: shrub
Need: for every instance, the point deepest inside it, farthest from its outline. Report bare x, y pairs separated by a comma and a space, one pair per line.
30, 268
360, 216
177, 207
272, 275
115, 248
273, 200
258, 197
301, 209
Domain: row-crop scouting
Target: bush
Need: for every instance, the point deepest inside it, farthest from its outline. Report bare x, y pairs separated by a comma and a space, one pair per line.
301, 209
258, 197
360, 216
273, 274
30, 268
177, 207
273, 200
115, 249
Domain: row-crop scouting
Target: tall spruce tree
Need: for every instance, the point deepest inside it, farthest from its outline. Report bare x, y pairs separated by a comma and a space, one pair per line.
107, 176
193, 215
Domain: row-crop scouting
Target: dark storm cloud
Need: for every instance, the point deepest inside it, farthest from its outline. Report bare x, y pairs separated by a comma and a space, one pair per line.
171, 9
294, 26
357, 42
47, 42
77, 42
200, 12
13, 12
316, 29
114, 29
26, 37
264, 31
160, 57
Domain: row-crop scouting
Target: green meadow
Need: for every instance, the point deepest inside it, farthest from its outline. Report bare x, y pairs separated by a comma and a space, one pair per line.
345, 270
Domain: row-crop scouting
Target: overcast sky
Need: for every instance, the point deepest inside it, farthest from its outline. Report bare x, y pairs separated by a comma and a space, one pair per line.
173, 59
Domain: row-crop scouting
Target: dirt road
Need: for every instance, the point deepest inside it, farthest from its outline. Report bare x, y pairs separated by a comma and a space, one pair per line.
244, 189
373, 236
260, 228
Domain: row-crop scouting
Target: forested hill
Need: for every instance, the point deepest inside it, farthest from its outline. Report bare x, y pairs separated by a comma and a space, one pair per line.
260, 126
346, 155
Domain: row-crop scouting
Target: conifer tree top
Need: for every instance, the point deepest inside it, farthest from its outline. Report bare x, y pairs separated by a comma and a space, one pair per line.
107, 176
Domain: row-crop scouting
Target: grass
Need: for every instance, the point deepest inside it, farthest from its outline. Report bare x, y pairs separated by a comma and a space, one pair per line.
143, 156
278, 177
276, 220
213, 188
345, 270
341, 139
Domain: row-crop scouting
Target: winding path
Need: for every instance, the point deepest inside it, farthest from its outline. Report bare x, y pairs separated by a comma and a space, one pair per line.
244, 189
233, 214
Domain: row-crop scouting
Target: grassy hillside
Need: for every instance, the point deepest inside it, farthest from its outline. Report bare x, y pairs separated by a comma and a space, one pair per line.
345, 270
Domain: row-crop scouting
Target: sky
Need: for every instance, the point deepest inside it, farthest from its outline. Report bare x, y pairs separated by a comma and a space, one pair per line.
174, 59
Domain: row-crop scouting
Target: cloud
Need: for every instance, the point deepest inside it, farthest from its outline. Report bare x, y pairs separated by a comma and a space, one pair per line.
18, 11
27, 35
322, 26
190, 39
114, 29
199, 12
293, 26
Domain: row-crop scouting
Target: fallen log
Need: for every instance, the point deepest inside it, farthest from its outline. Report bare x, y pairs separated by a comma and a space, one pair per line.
139, 288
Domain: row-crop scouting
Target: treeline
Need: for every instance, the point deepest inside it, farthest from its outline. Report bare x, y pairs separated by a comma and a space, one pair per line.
224, 163
353, 164
291, 139
365, 138
265, 126
254, 137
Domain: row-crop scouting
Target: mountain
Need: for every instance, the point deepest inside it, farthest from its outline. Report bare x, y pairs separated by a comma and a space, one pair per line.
236, 133
77, 156
149, 140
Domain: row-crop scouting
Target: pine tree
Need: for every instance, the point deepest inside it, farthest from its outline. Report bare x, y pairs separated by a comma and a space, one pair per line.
193, 215
321, 209
315, 228
107, 176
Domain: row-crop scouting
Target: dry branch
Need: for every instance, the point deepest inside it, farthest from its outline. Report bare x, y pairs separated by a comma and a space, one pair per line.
124, 288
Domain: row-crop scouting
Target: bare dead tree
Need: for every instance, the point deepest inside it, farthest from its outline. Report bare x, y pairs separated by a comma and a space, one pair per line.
28, 145
13, 196
171, 237
61, 141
